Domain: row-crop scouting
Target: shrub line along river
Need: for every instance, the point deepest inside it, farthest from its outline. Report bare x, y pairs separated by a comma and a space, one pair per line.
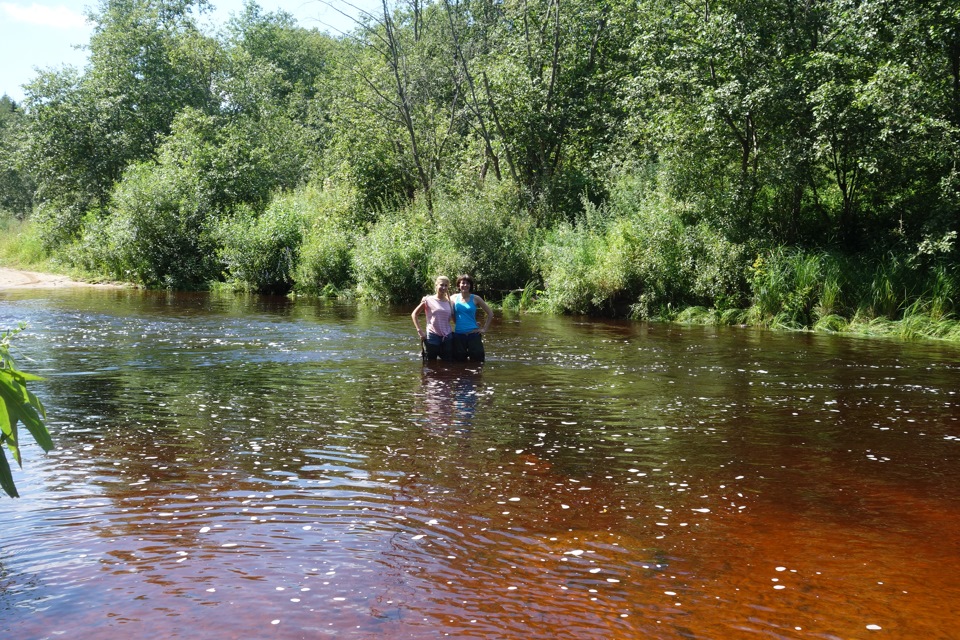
254, 467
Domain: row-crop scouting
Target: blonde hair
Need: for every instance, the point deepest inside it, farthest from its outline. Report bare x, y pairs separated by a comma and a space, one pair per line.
436, 285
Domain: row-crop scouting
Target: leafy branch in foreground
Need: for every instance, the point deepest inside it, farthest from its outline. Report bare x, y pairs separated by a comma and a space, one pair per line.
17, 405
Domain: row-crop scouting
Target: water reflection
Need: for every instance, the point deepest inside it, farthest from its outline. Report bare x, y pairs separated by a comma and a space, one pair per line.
246, 467
449, 396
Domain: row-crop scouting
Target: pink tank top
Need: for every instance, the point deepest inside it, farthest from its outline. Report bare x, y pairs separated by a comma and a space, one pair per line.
438, 316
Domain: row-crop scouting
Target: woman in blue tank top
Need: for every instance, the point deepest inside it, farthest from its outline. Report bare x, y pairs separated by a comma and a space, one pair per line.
467, 334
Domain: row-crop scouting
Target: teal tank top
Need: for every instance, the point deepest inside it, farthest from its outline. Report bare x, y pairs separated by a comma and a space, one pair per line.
465, 314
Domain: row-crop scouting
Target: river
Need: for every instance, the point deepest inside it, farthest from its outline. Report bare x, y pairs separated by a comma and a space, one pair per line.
251, 467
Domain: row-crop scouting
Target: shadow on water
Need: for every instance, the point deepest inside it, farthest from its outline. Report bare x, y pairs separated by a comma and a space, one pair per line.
265, 467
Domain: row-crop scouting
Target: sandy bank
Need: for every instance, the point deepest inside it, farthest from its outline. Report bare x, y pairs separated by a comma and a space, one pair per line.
18, 279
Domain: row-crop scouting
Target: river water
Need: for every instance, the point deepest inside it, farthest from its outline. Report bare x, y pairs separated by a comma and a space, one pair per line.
250, 467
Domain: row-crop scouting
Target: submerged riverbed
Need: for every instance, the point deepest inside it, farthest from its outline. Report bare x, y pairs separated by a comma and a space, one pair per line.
247, 467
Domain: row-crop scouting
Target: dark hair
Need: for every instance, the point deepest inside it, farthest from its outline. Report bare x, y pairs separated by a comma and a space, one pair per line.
464, 278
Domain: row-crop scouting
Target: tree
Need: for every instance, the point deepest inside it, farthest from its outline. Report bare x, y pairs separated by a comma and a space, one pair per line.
148, 61
16, 185
550, 73
886, 96
404, 81
301, 57
719, 101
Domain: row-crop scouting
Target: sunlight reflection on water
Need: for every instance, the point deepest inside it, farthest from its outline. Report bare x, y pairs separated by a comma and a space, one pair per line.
252, 467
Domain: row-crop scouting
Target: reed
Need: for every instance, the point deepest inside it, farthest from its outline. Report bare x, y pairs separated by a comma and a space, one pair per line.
697, 315
734, 317
832, 323
885, 290
525, 299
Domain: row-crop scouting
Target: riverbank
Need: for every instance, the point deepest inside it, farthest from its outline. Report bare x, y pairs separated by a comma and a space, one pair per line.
20, 279
916, 325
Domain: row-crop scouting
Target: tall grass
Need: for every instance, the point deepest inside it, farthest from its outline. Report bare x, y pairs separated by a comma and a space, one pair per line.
636, 255
21, 245
525, 299
786, 287
870, 295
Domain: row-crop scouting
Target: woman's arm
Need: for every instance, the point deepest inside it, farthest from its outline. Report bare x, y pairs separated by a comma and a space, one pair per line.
487, 314
413, 316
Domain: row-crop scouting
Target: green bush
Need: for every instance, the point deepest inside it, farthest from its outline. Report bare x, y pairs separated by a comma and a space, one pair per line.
486, 235
261, 253
569, 263
327, 252
392, 261
58, 224
636, 253
156, 234
719, 268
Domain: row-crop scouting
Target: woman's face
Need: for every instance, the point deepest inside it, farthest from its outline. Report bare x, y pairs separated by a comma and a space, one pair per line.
464, 286
442, 286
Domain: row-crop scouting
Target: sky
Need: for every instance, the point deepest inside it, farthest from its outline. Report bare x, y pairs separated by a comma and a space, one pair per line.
46, 34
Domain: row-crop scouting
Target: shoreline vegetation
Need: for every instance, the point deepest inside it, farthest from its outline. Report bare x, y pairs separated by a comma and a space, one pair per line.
916, 323
752, 163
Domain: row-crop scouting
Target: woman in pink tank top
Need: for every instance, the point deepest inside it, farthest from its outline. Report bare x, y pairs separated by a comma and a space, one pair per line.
438, 338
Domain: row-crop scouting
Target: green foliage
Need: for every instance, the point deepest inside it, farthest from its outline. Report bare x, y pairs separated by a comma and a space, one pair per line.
797, 289
16, 184
570, 263
156, 235
363, 150
300, 57
637, 254
17, 405
68, 149
786, 286
20, 243
59, 224
325, 261
549, 95
392, 261
523, 300
486, 234
325, 265
229, 160
261, 253
147, 62
614, 158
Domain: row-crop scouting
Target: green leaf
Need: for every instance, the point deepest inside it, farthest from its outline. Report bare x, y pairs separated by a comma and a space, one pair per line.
26, 377
21, 405
6, 477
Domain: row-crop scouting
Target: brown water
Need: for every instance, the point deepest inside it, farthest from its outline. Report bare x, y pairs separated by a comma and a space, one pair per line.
260, 468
